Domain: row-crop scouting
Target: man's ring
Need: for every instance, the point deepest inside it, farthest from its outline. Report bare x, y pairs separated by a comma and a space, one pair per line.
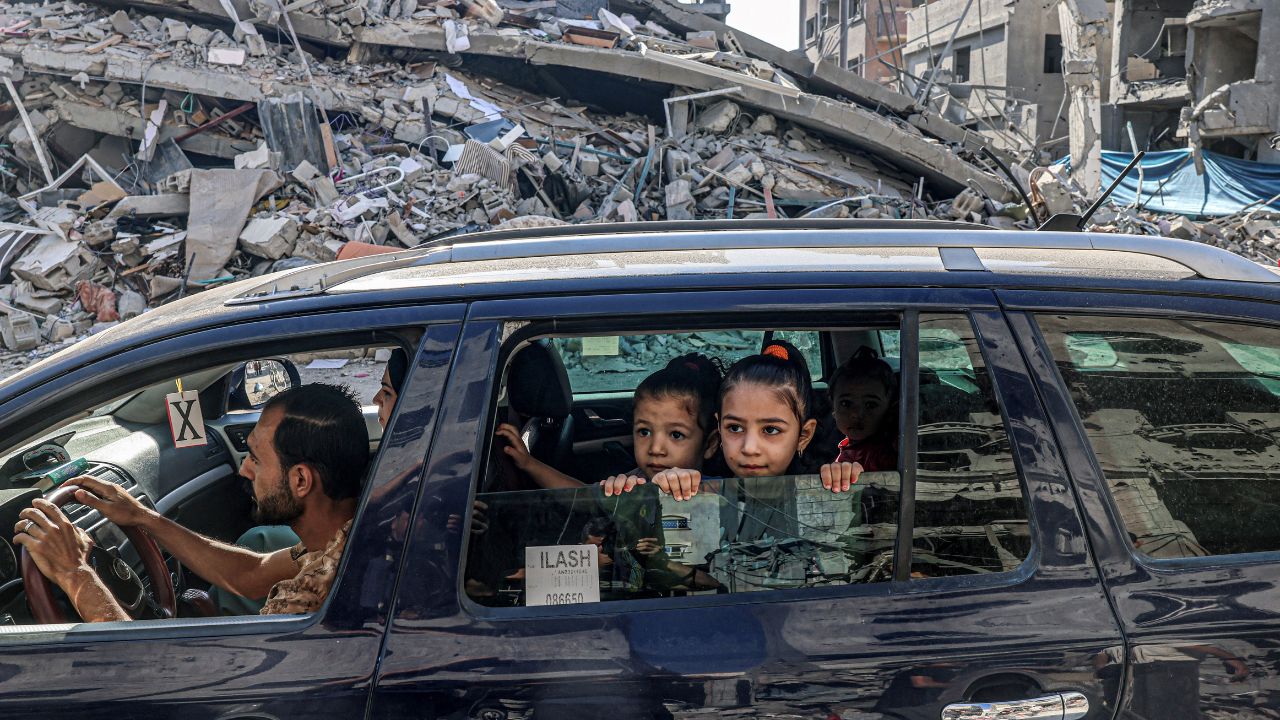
28, 526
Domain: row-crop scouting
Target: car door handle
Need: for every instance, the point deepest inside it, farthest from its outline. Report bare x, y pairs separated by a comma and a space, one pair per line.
598, 422
1059, 706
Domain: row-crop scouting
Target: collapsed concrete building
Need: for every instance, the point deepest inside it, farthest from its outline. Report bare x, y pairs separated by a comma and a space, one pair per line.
995, 67
1073, 77
158, 148
155, 149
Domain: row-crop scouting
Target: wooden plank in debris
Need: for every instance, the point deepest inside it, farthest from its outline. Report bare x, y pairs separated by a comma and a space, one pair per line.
99, 47
592, 37
528, 23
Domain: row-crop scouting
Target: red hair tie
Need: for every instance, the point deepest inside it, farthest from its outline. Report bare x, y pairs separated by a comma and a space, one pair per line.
692, 366
777, 351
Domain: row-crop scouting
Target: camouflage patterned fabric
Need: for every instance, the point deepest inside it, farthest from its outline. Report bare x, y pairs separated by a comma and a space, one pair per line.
306, 591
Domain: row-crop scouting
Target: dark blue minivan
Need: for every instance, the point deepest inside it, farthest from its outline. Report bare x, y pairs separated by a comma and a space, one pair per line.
1083, 519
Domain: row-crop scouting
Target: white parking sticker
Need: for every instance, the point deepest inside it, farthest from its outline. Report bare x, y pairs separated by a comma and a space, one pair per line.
601, 346
561, 575
186, 422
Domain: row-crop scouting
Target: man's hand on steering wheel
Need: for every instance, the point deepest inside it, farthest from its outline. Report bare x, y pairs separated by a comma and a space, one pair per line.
60, 549
99, 583
114, 502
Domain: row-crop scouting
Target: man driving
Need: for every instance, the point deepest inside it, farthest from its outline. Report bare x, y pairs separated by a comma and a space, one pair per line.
307, 459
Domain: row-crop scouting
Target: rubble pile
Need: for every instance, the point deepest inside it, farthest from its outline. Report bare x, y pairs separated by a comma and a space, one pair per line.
150, 150
1253, 232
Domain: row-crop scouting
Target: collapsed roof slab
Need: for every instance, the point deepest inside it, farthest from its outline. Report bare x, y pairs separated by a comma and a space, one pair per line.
823, 76
210, 13
1208, 12
868, 131
1161, 96
122, 124
175, 76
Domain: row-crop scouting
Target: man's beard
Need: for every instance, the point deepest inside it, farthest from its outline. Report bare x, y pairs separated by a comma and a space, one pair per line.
278, 507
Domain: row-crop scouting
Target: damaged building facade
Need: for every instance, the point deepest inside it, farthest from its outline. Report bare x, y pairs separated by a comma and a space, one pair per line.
1170, 74
867, 39
1202, 74
967, 60
997, 67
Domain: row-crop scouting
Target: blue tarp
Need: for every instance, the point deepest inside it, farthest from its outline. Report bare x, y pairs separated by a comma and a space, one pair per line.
1227, 185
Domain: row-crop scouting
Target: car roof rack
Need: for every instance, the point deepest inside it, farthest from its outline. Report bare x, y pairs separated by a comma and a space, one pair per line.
950, 238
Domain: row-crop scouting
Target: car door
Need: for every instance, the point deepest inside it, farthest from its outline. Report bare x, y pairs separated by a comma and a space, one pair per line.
1166, 408
904, 647
308, 666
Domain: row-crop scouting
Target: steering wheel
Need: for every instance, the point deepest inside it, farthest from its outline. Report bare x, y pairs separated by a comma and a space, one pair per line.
115, 573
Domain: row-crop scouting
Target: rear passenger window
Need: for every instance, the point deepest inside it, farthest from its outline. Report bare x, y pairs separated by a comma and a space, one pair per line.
1183, 417
548, 536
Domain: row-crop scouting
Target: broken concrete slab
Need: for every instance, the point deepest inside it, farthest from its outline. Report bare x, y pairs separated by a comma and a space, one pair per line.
220, 203
857, 126
226, 56
325, 192
270, 238
824, 76
152, 206
53, 263
40, 302
679, 197
259, 157
121, 124
719, 117
313, 28
176, 76
122, 24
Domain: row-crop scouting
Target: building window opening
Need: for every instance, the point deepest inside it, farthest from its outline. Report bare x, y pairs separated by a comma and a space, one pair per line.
1052, 54
961, 65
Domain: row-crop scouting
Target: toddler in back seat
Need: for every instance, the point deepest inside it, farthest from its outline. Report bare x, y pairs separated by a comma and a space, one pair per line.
674, 426
862, 402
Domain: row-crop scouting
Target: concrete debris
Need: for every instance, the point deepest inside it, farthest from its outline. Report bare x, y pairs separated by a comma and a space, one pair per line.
270, 238
55, 264
207, 151
226, 56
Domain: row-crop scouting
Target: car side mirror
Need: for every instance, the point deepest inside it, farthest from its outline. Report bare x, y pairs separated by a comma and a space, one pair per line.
257, 381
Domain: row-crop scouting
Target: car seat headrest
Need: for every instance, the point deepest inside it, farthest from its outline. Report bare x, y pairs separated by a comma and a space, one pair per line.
538, 385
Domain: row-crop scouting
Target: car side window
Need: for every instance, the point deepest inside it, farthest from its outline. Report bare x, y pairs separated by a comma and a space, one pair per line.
1183, 417
565, 541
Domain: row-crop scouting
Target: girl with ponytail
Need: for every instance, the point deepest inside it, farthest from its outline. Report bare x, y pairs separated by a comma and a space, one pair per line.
764, 424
